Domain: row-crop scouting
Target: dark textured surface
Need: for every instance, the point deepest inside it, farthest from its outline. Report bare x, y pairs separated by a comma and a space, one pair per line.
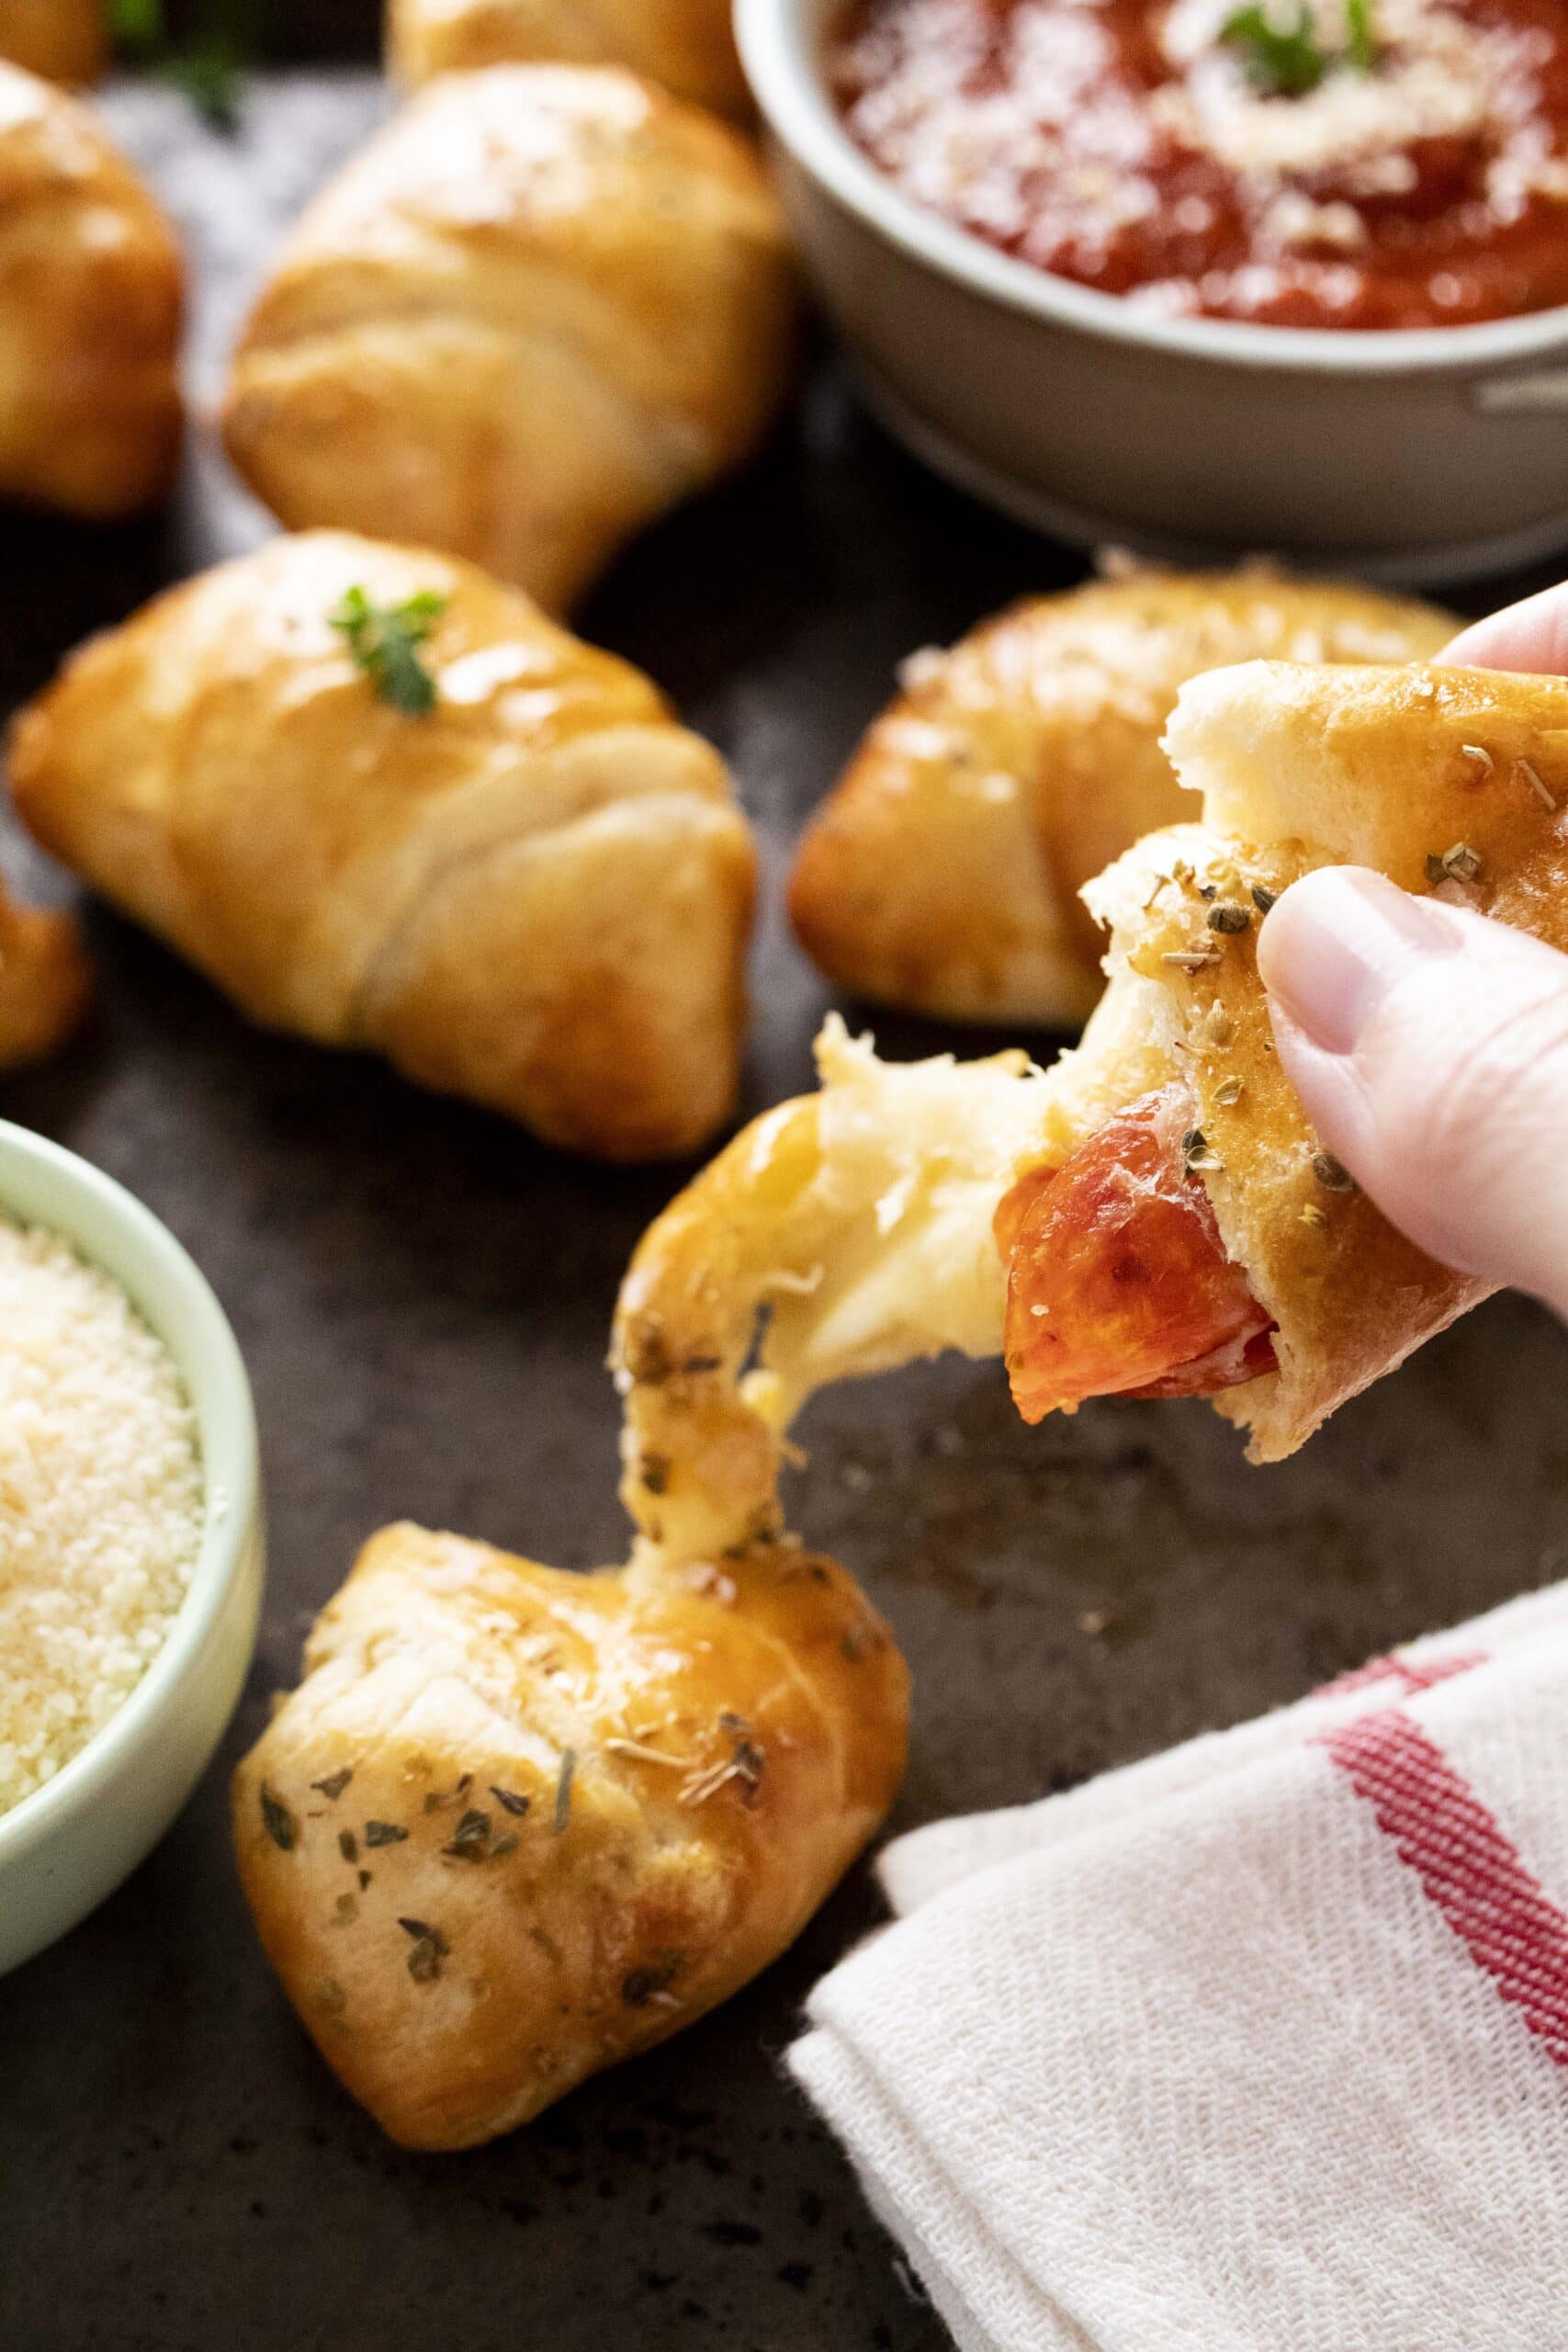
423, 1298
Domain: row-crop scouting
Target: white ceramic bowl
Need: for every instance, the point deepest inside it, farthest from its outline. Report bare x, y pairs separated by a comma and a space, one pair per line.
66, 1847
1429, 455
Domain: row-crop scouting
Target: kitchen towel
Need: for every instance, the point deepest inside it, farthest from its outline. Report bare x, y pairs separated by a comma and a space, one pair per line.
1259, 2046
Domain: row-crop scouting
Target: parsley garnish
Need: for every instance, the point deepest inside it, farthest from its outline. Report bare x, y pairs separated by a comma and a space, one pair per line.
208, 64
1280, 49
384, 640
1361, 42
1282, 59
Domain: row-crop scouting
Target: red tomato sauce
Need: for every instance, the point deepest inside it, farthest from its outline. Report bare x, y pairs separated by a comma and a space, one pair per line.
1136, 147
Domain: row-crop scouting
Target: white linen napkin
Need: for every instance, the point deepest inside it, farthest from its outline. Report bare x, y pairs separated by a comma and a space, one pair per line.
1260, 2046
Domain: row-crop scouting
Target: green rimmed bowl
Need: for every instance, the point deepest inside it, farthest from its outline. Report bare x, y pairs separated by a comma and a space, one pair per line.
66, 1847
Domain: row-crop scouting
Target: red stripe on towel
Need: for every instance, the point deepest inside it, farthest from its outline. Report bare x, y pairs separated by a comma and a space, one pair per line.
1410, 1677
1467, 1865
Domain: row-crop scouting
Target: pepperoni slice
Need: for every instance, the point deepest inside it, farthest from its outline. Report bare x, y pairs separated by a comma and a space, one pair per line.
1118, 1281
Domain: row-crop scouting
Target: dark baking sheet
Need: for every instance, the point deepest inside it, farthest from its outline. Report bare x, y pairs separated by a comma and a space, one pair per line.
422, 1297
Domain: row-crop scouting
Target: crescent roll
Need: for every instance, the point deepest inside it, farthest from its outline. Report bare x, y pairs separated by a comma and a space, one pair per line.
91, 289
1151, 1216
63, 40
541, 307
535, 893
944, 873
516, 1824
45, 982
689, 45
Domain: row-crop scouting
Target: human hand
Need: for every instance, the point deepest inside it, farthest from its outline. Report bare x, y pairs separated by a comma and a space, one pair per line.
1430, 1045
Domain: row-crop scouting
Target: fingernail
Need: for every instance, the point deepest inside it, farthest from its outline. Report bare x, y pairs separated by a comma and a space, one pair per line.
1337, 942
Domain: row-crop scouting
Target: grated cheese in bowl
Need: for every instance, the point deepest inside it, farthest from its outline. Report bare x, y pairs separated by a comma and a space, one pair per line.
100, 1503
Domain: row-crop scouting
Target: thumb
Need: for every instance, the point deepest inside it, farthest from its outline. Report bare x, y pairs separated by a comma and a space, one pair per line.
1430, 1047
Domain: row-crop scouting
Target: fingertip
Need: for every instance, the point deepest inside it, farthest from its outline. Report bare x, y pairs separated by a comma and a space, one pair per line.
1530, 635
1333, 945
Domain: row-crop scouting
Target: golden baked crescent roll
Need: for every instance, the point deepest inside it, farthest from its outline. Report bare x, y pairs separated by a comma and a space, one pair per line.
63, 40
689, 45
542, 306
536, 894
1150, 1216
45, 982
91, 288
516, 1824
944, 873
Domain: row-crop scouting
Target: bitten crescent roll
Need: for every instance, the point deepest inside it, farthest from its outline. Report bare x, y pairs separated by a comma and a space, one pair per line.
538, 309
1151, 1216
63, 40
943, 874
45, 982
537, 893
689, 45
91, 293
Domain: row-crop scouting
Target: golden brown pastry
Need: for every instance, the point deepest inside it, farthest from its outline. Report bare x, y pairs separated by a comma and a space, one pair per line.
944, 873
91, 286
63, 40
45, 982
537, 312
516, 1824
1152, 1216
689, 45
536, 894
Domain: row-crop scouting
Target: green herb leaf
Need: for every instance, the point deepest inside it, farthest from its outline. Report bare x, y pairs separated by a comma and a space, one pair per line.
563, 1789
1361, 40
1280, 53
430, 1949
208, 64
1280, 49
1331, 1175
138, 23
384, 641
470, 1839
281, 1825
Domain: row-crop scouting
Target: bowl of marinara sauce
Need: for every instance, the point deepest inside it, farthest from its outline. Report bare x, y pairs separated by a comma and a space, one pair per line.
1203, 276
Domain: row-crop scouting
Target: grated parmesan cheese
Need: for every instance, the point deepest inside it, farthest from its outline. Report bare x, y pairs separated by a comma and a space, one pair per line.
100, 1503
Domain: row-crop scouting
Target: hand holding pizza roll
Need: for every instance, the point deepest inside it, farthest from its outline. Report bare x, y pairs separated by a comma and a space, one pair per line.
1156, 1215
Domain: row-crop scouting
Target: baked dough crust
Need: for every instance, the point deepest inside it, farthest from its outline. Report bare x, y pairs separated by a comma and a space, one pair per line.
689, 45
91, 293
45, 982
943, 874
501, 1923
62, 41
538, 896
545, 305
